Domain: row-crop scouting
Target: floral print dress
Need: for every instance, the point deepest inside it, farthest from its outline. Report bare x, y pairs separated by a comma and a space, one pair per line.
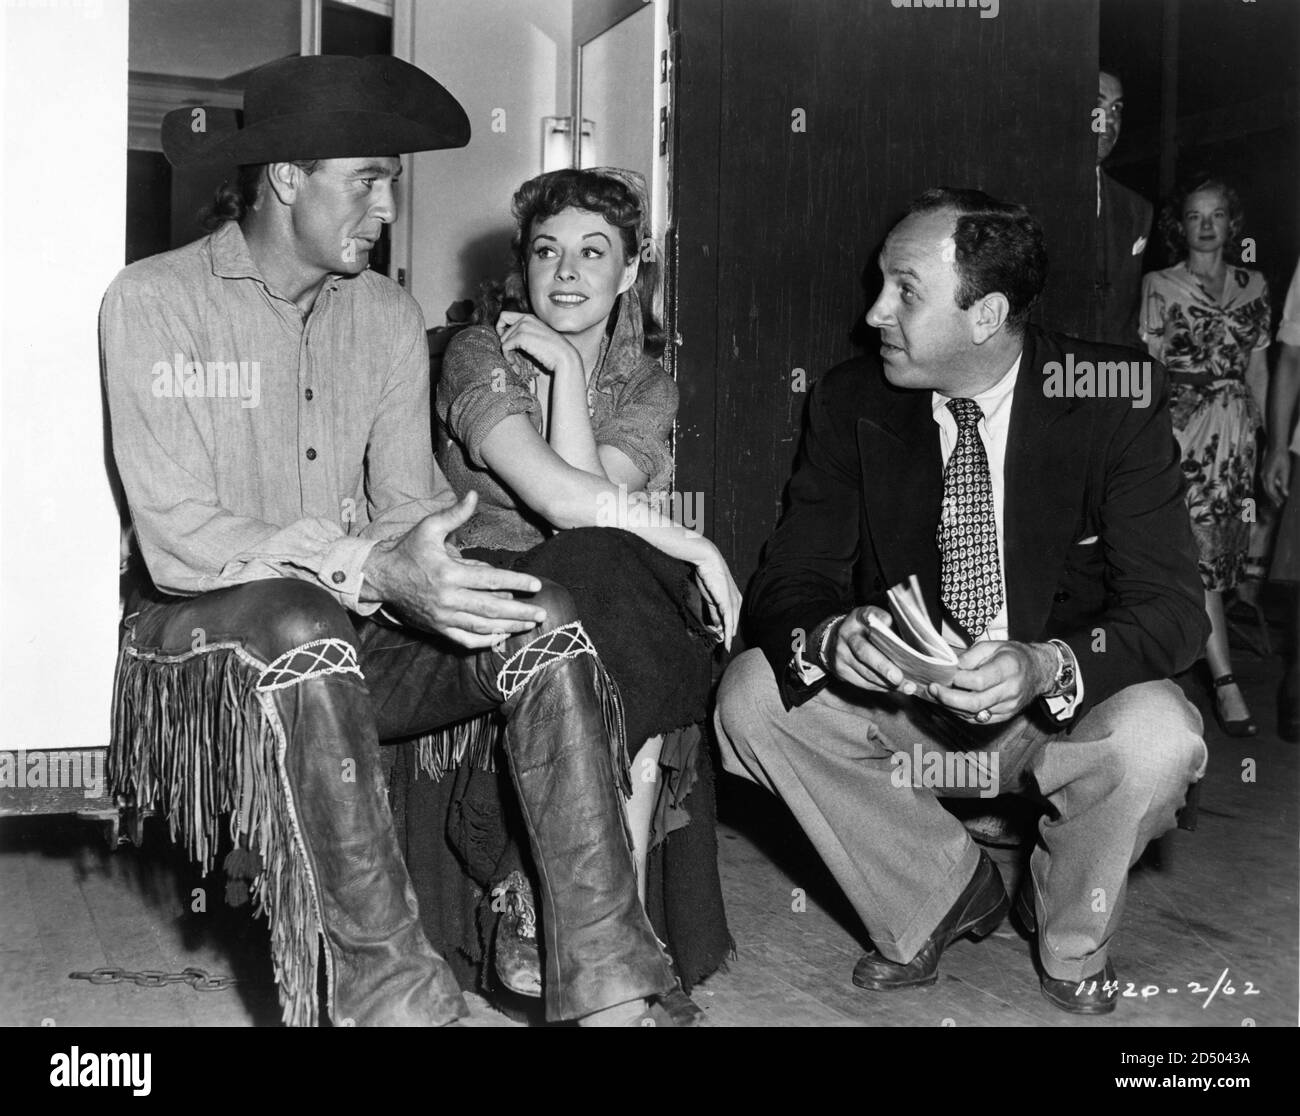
1216, 419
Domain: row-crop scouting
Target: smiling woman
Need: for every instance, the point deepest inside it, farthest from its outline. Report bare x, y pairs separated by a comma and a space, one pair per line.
1207, 318
555, 410
577, 267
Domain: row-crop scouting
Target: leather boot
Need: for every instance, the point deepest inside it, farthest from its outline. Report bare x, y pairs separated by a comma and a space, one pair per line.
600, 949
382, 970
315, 787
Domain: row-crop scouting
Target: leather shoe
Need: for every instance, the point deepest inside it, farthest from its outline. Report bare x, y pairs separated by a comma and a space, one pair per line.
515, 955
1093, 995
1023, 911
672, 1009
680, 1008
979, 910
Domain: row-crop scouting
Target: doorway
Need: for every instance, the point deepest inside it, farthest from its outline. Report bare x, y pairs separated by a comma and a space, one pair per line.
186, 52
621, 92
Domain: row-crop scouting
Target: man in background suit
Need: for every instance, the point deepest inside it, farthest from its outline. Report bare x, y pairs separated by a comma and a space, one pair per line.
1044, 523
1123, 225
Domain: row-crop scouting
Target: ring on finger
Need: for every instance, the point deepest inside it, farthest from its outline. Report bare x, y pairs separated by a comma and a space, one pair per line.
983, 716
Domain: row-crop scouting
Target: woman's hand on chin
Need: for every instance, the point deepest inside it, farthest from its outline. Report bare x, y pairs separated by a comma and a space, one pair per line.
528, 334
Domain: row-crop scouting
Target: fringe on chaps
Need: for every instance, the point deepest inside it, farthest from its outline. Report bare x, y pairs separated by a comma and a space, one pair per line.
474, 740
193, 734
198, 734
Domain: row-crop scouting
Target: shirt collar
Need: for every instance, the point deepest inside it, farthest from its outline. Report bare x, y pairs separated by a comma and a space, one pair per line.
231, 258
990, 401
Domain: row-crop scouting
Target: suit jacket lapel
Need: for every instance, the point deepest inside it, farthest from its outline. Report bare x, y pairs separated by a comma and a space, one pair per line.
1043, 480
902, 484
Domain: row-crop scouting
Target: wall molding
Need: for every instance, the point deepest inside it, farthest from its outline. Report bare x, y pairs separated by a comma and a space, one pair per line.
151, 96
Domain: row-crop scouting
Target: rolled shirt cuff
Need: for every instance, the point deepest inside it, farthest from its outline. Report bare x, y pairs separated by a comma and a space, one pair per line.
804, 672
341, 572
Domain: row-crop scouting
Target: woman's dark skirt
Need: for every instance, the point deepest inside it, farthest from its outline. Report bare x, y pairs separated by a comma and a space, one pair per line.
461, 833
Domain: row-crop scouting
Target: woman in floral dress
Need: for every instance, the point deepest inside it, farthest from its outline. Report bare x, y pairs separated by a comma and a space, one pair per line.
1207, 320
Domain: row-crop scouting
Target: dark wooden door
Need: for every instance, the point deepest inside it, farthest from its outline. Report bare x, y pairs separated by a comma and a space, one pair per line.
803, 128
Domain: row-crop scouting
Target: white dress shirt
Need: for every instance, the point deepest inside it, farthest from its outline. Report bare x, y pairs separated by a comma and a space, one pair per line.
995, 403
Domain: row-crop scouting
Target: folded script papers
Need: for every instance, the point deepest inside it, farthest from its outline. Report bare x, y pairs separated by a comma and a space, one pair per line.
912, 644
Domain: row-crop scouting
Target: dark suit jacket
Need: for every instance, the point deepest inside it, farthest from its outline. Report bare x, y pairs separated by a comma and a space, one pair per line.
1124, 224
863, 507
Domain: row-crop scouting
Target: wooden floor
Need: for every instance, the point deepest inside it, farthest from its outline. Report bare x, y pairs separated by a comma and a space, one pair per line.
1224, 900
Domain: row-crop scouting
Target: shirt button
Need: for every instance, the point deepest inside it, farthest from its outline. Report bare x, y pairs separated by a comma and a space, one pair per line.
308, 394
338, 577
311, 454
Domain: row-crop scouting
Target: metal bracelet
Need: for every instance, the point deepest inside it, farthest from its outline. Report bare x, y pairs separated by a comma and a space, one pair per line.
831, 627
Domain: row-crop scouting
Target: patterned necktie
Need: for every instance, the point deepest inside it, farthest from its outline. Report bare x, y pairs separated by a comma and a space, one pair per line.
970, 581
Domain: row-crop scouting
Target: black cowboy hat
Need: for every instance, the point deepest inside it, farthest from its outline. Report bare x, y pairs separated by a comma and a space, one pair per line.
320, 107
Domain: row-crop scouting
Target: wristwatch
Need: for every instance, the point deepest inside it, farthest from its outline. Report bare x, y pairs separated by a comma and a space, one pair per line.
1063, 683
817, 666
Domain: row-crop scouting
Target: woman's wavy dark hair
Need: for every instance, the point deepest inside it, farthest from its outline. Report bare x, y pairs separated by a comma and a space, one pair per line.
234, 201
1171, 215
550, 194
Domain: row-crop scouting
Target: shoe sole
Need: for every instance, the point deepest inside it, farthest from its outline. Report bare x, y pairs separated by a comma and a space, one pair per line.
977, 928
1074, 1008
1073, 1005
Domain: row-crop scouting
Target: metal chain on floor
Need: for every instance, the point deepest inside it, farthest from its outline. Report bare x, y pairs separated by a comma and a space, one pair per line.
196, 978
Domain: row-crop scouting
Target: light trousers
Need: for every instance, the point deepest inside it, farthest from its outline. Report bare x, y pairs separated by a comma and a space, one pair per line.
861, 773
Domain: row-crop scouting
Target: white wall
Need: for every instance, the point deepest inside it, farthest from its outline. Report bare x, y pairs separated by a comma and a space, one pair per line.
619, 79
63, 116
509, 64
520, 58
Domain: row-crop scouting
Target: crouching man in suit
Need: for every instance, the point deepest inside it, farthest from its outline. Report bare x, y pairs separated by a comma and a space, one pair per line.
1041, 510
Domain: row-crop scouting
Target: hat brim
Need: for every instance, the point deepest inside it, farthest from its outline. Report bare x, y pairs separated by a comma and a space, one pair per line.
316, 135
423, 117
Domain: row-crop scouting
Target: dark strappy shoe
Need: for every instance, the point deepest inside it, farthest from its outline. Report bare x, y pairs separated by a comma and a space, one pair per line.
1242, 726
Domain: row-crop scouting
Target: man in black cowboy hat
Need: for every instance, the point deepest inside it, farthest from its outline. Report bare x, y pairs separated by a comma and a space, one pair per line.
270, 411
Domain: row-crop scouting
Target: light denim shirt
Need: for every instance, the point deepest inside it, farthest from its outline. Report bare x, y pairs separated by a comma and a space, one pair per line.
631, 400
254, 442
